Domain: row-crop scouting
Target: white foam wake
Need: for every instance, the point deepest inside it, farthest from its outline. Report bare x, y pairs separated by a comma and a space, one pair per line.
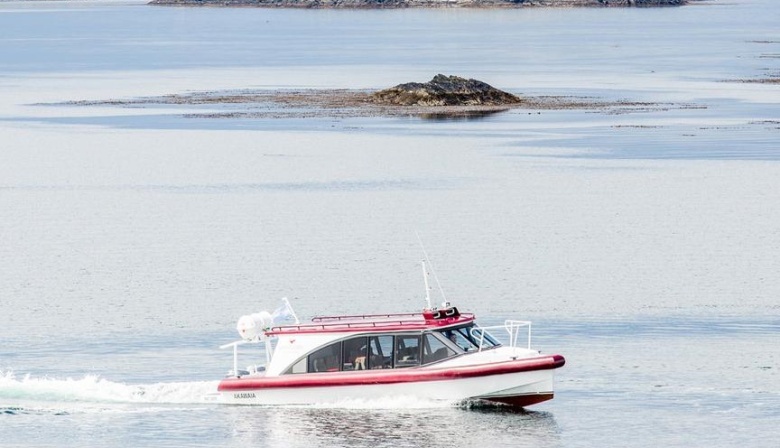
92, 392
93, 389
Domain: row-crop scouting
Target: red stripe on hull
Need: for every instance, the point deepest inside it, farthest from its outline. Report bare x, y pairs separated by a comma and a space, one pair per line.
390, 376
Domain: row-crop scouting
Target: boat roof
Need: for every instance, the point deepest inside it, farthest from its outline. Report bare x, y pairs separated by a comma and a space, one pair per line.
368, 323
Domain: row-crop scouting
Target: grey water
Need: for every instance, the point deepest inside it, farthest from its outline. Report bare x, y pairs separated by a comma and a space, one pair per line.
644, 245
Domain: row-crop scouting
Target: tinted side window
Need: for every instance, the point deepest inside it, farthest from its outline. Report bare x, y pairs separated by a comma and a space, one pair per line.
355, 354
435, 350
407, 351
380, 352
326, 359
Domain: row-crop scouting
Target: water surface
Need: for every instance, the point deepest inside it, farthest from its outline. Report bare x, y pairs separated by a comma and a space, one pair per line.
643, 245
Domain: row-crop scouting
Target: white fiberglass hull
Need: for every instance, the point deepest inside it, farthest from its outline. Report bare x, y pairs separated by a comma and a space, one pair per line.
519, 383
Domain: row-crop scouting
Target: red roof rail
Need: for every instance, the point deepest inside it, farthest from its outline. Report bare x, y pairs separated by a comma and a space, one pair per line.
372, 323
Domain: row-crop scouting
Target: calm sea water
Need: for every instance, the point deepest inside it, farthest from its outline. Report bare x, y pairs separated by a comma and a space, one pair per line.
644, 246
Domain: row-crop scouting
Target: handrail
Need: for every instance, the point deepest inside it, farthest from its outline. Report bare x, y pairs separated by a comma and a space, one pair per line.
344, 325
235, 352
363, 316
363, 322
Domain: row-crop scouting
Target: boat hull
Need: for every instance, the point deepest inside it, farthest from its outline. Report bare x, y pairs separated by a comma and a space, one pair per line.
521, 382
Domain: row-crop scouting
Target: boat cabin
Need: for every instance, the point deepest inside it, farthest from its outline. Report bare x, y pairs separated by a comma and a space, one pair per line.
391, 350
371, 342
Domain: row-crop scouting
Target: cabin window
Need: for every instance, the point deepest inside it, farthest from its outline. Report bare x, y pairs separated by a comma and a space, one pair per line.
389, 351
407, 351
298, 367
381, 352
326, 359
355, 354
435, 349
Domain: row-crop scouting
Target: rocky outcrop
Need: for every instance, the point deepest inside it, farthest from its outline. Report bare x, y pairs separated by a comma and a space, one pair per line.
379, 4
445, 90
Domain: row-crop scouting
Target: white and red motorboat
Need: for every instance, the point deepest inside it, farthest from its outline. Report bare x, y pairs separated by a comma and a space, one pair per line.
438, 354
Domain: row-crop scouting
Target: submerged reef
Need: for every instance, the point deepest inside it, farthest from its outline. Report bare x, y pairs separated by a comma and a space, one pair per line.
442, 98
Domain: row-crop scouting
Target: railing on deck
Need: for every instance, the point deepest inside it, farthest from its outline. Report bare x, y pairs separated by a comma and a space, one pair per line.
317, 319
368, 322
513, 329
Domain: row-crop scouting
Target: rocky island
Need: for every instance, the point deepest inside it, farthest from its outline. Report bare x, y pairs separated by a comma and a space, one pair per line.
379, 4
445, 90
443, 97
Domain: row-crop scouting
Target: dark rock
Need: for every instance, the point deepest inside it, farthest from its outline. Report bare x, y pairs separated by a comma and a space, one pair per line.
445, 90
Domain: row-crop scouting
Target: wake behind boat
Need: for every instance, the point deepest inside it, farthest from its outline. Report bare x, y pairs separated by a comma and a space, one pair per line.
439, 354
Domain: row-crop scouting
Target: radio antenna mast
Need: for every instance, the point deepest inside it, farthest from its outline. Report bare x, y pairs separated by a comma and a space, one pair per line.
425, 275
427, 288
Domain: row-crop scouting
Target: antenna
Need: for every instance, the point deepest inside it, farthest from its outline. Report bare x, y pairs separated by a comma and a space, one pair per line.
427, 288
425, 275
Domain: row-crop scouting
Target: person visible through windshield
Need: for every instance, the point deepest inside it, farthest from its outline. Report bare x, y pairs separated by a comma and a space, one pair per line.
467, 341
457, 337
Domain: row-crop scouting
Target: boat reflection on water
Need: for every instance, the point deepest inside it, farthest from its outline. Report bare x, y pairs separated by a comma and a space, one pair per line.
398, 427
462, 115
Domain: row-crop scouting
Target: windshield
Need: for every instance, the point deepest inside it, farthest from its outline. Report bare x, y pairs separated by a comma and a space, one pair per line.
469, 338
481, 336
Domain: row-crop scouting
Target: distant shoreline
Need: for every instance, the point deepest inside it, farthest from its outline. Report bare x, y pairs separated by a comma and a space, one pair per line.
400, 4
